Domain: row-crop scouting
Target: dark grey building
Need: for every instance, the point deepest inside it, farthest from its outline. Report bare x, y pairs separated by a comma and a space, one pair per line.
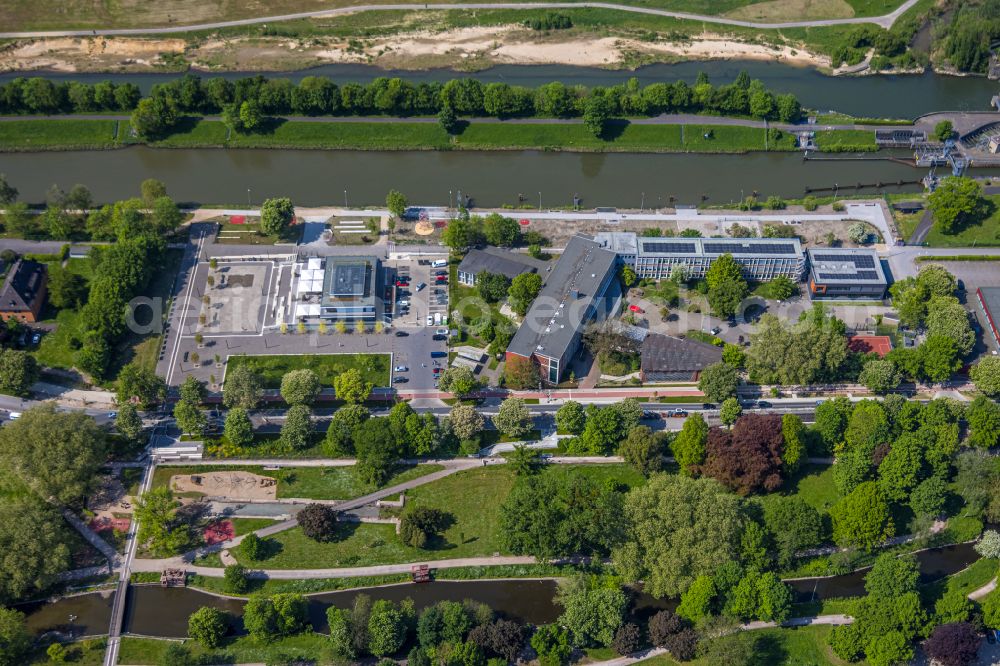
583, 287
502, 262
846, 273
666, 358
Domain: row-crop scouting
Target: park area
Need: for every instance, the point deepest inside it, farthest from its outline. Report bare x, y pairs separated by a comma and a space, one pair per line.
374, 368
245, 230
255, 483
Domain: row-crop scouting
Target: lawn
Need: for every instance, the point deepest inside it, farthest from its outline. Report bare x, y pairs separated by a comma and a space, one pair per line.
814, 485
373, 367
620, 138
986, 232
472, 497
846, 141
60, 134
234, 650
764, 290
304, 482
801, 646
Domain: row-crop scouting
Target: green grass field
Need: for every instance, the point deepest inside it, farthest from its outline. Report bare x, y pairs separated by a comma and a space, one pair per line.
304, 482
572, 137
373, 367
985, 233
472, 497
234, 650
56, 134
801, 646
814, 485
846, 141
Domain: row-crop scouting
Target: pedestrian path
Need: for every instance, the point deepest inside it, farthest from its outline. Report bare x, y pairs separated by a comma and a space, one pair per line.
92, 537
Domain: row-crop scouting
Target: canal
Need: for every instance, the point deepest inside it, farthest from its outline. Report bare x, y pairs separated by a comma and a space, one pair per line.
888, 96
317, 177
152, 610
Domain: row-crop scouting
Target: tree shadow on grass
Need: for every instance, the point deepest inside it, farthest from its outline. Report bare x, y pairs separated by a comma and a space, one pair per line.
614, 128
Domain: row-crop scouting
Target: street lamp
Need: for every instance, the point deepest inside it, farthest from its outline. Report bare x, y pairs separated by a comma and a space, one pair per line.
345, 198
539, 201
643, 203
248, 197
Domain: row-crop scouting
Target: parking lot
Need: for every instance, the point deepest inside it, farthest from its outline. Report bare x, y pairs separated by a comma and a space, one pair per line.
972, 275
247, 299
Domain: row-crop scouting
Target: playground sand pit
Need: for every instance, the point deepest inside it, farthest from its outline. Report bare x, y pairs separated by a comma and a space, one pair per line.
228, 484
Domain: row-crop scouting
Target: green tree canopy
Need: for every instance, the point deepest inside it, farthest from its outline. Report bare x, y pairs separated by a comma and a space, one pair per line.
242, 388
956, 203
719, 381
276, 215
350, 386
300, 387
676, 530
57, 454
35, 549
862, 518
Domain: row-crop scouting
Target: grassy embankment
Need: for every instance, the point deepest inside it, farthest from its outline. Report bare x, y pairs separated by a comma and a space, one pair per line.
985, 233
374, 367
43, 135
846, 141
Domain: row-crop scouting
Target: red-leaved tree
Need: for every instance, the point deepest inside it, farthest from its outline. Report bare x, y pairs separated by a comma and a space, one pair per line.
746, 459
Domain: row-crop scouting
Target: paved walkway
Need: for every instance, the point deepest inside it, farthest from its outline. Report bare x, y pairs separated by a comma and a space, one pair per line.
92, 537
750, 626
885, 21
975, 595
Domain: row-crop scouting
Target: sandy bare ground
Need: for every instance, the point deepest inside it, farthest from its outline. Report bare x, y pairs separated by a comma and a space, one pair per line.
240, 486
471, 47
71, 54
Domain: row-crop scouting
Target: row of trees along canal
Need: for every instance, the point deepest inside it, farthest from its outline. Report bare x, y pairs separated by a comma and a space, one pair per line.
246, 104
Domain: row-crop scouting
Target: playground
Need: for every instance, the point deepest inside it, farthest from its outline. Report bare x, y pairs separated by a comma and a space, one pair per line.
231, 485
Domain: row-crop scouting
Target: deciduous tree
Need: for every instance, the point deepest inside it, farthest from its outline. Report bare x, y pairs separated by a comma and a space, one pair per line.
350, 386
276, 215
643, 450
208, 626
242, 388
318, 522
862, 518
570, 418
986, 375
677, 529
35, 548
15, 641
513, 418
300, 387
956, 203
466, 421
57, 454
296, 431
688, 446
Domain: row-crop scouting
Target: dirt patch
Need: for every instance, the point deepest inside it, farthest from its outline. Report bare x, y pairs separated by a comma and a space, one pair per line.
229, 484
792, 10
87, 54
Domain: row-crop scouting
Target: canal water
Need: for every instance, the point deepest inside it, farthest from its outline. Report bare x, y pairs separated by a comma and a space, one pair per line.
156, 611
896, 96
318, 177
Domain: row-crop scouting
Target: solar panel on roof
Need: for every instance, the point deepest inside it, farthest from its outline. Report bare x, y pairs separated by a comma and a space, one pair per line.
750, 248
859, 260
860, 275
668, 248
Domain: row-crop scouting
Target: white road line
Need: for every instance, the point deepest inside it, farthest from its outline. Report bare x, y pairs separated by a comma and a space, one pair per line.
183, 311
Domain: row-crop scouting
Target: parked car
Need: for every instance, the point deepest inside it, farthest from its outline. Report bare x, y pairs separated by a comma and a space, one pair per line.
400, 368
648, 415
442, 331
112, 415
401, 283
439, 354
36, 338
430, 320
437, 371
14, 416
677, 413
400, 380
763, 404
402, 334
403, 303
420, 285
708, 405
440, 273
716, 331
439, 338
636, 308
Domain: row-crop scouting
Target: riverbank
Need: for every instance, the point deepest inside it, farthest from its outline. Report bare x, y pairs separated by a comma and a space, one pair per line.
71, 134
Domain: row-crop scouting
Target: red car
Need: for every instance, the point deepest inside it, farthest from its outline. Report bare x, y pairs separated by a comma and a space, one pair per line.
401, 283
441, 279
437, 371
636, 308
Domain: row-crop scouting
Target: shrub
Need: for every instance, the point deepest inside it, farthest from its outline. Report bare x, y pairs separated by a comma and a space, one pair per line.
318, 522
253, 546
628, 639
683, 645
422, 523
662, 626
235, 579
208, 625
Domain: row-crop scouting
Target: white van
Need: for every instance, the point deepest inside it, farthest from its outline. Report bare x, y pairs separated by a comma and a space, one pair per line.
440, 263
437, 318
15, 416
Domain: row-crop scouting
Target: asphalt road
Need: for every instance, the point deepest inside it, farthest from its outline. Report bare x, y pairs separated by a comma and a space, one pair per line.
885, 21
